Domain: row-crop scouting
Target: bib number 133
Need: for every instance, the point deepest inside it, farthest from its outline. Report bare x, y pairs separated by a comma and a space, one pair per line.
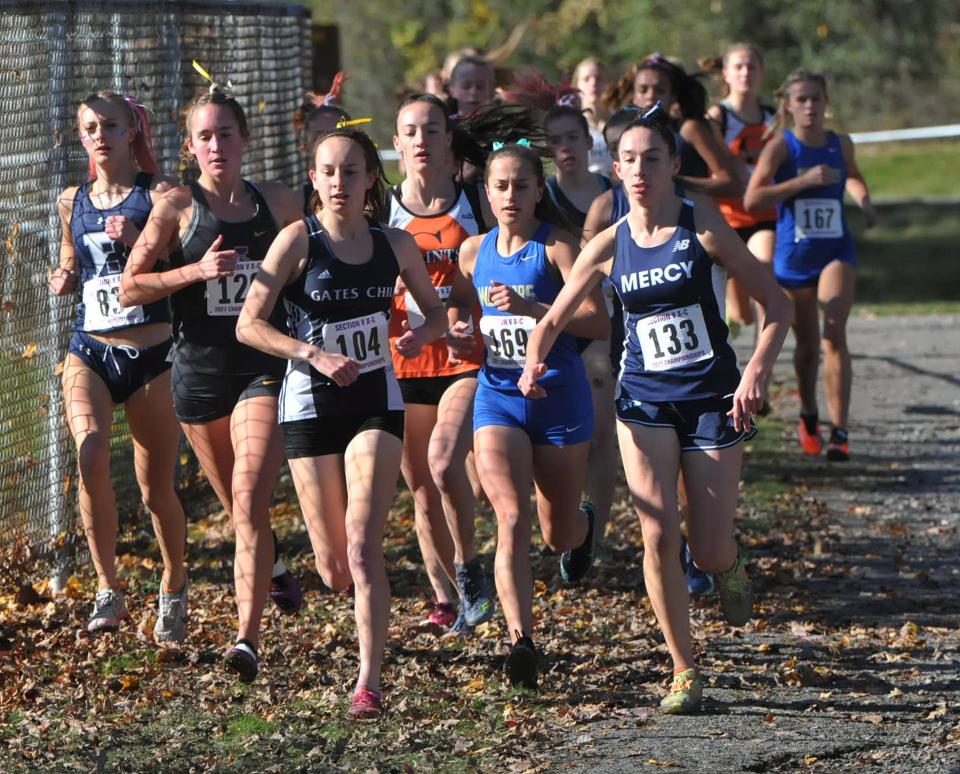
674, 339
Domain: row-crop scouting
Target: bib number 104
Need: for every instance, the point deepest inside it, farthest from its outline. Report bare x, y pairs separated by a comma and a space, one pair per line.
359, 344
364, 339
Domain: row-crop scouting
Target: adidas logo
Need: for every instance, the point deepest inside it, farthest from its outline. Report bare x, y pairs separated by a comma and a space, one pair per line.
325, 274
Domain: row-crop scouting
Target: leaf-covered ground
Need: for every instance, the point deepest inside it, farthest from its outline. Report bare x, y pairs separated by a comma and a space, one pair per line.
853, 653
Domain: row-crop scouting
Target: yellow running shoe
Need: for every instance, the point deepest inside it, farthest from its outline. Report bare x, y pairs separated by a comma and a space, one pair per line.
686, 694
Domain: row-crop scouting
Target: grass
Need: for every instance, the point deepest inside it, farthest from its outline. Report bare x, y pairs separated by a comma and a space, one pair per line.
910, 257
911, 170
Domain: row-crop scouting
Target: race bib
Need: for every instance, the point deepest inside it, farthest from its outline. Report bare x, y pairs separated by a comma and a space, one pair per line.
674, 339
102, 310
506, 339
225, 295
364, 339
817, 219
415, 316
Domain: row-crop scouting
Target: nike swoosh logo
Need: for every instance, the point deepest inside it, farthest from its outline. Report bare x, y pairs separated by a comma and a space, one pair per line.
268, 382
260, 233
571, 429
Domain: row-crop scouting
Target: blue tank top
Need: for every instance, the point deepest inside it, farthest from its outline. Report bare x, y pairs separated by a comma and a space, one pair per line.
567, 207
101, 261
505, 336
813, 222
676, 341
621, 205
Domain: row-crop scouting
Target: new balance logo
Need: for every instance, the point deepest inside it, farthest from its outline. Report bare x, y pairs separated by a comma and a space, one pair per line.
325, 274
680, 244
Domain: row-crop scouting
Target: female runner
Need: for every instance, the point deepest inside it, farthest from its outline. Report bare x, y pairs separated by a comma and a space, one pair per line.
341, 409
216, 232
574, 189
804, 172
518, 269
742, 123
682, 402
118, 355
590, 79
438, 385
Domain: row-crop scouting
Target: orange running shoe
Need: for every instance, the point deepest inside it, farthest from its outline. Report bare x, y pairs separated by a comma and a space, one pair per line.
811, 443
838, 450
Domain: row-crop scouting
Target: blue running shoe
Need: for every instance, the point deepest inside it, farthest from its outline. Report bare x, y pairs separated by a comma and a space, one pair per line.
699, 583
475, 600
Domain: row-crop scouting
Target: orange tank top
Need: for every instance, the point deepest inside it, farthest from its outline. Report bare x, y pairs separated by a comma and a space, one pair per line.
439, 238
745, 141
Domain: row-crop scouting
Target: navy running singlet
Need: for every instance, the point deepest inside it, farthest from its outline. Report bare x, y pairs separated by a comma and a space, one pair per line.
676, 344
343, 309
205, 313
505, 335
567, 207
101, 261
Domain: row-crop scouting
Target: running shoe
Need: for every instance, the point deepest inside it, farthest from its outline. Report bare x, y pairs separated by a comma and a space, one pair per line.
109, 610
366, 705
460, 626
838, 450
686, 694
475, 599
810, 440
443, 614
699, 583
242, 659
576, 563
285, 593
521, 664
736, 595
171, 623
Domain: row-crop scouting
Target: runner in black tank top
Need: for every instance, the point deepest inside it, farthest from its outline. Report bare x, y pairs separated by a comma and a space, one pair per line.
342, 410
216, 232
117, 355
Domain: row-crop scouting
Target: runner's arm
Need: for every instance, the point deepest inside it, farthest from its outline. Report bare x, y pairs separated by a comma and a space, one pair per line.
64, 280
856, 185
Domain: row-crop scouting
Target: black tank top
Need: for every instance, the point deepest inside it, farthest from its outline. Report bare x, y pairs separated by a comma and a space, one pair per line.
342, 308
205, 313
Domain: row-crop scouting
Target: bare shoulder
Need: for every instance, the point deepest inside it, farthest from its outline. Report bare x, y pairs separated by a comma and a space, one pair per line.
558, 238
397, 237
178, 198
162, 184
283, 202
66, 199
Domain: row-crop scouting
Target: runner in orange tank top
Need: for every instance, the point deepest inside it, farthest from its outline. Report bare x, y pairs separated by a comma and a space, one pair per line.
438, 386
743, 123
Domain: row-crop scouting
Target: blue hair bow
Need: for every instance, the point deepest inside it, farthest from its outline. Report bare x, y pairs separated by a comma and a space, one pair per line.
497, 145
653, 112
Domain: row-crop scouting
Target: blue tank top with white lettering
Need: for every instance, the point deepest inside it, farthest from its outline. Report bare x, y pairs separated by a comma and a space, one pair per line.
505, 335
101, 261
676, 341
813, 222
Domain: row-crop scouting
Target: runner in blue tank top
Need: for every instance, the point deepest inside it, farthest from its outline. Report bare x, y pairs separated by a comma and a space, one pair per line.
341, 408
804, 172
202, 245
518, 269
117, 355
683, 405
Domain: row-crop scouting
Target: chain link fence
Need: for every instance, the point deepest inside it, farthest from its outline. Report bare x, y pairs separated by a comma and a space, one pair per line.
52, 54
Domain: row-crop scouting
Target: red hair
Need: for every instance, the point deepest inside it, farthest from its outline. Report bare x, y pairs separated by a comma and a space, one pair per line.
142, 145
533, 90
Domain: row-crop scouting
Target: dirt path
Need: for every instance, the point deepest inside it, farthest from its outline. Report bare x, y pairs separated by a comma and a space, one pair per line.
855, 662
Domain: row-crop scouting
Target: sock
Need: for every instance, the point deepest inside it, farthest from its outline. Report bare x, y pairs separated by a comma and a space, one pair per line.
810, 421
279, 568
